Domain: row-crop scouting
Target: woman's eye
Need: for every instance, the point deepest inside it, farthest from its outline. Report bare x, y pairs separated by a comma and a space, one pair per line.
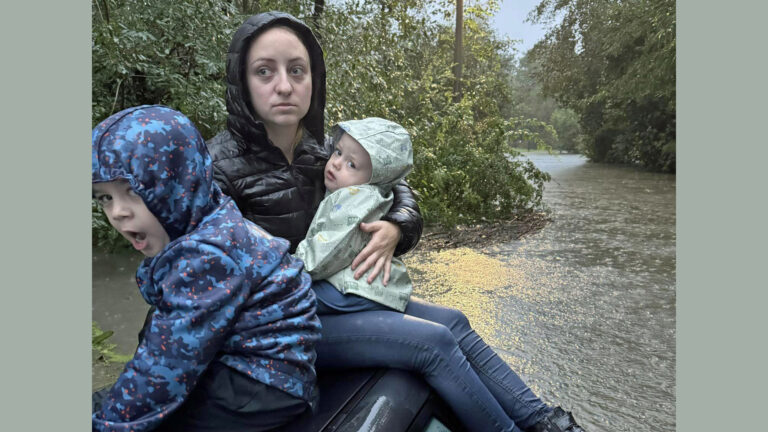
262, 71
297, 70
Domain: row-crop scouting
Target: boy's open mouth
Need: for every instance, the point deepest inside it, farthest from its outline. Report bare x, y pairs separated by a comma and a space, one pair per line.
137, 239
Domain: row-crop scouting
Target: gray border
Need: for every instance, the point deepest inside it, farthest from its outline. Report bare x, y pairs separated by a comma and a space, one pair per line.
46, 215
721, 215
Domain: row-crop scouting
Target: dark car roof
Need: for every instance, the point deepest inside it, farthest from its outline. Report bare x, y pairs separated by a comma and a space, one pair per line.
373, 400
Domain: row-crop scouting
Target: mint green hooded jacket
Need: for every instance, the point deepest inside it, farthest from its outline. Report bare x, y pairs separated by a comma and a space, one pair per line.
334, 237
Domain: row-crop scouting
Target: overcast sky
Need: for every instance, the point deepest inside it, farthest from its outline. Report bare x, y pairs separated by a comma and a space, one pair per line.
509, 21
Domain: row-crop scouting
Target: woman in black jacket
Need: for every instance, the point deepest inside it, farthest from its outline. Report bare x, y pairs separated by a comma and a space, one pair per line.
270, 160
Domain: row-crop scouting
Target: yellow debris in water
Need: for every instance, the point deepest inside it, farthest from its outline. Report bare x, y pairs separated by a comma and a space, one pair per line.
472, 282
498, 295
463, 269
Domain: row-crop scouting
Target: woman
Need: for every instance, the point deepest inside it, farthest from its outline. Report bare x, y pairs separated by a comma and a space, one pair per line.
270, 161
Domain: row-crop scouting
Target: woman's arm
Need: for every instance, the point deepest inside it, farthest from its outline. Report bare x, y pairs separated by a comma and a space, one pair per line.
406, 215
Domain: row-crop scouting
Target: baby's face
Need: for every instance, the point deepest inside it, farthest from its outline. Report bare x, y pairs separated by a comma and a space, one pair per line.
349, 165
128, 214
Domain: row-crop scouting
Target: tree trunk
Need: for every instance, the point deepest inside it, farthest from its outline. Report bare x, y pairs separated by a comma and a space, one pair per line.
248, 7
317, 12
106, 11
458, 53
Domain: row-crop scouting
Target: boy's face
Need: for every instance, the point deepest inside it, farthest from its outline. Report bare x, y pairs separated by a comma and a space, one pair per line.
349, 165
129, 215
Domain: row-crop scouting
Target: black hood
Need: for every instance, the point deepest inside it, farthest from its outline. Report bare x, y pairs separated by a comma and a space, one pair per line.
241, 121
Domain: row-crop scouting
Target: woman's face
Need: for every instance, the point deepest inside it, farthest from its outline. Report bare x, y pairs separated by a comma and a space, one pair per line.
279, 78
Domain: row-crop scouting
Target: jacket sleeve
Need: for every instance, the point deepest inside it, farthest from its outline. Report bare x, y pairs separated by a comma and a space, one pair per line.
222, 180
199, 289
216, 146
405, 213
334, 237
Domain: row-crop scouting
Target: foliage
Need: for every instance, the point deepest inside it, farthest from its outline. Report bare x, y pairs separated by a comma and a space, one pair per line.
385, 58
564, 132
103, 349
173, 53
613, 63
394, 60
566, 124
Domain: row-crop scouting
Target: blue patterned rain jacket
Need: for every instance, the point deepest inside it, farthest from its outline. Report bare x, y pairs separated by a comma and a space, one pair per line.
225, 290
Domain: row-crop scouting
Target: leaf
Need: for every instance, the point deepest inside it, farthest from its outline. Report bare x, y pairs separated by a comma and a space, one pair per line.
102, 337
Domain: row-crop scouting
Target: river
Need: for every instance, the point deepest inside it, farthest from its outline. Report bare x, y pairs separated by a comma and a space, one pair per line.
584, 309
610, 328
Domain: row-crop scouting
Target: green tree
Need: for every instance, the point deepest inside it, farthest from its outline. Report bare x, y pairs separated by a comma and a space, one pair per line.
566, 124
613, 63
394, 60
557, 126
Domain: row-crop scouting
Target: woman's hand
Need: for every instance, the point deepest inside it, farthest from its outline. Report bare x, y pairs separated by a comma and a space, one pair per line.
379, 250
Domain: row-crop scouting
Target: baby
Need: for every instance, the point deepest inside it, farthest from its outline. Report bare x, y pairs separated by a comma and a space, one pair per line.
369, 158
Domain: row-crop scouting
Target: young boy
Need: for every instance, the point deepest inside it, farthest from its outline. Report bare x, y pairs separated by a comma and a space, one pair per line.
369, 158
230, 345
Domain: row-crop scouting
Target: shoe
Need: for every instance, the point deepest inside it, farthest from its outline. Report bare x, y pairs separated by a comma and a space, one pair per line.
558, 420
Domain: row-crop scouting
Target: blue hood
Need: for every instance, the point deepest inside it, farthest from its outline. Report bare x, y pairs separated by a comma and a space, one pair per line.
164, 158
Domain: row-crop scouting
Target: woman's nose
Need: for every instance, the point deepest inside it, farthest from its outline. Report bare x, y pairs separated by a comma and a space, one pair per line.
283, 85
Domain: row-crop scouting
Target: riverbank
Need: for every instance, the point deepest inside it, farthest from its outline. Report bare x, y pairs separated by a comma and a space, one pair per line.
434, 238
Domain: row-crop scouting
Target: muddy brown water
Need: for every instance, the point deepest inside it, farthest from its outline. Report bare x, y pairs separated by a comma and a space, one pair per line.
584, 309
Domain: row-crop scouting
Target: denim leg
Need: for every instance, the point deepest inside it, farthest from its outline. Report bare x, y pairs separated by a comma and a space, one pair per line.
332, 301
517, 399
391, 339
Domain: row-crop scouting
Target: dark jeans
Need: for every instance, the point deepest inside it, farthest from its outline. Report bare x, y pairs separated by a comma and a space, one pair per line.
439, 343
227, 400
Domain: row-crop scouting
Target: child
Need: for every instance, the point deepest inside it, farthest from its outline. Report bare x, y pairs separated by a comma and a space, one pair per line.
230, 345
370, 156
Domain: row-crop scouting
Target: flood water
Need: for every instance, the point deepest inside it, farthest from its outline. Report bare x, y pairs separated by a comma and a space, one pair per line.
607, 331
584, 309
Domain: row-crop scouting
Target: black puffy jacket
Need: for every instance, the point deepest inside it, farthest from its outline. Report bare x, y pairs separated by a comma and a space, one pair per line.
279, 195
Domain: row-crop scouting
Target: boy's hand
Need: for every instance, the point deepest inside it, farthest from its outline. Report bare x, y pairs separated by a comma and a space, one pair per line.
378, 252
